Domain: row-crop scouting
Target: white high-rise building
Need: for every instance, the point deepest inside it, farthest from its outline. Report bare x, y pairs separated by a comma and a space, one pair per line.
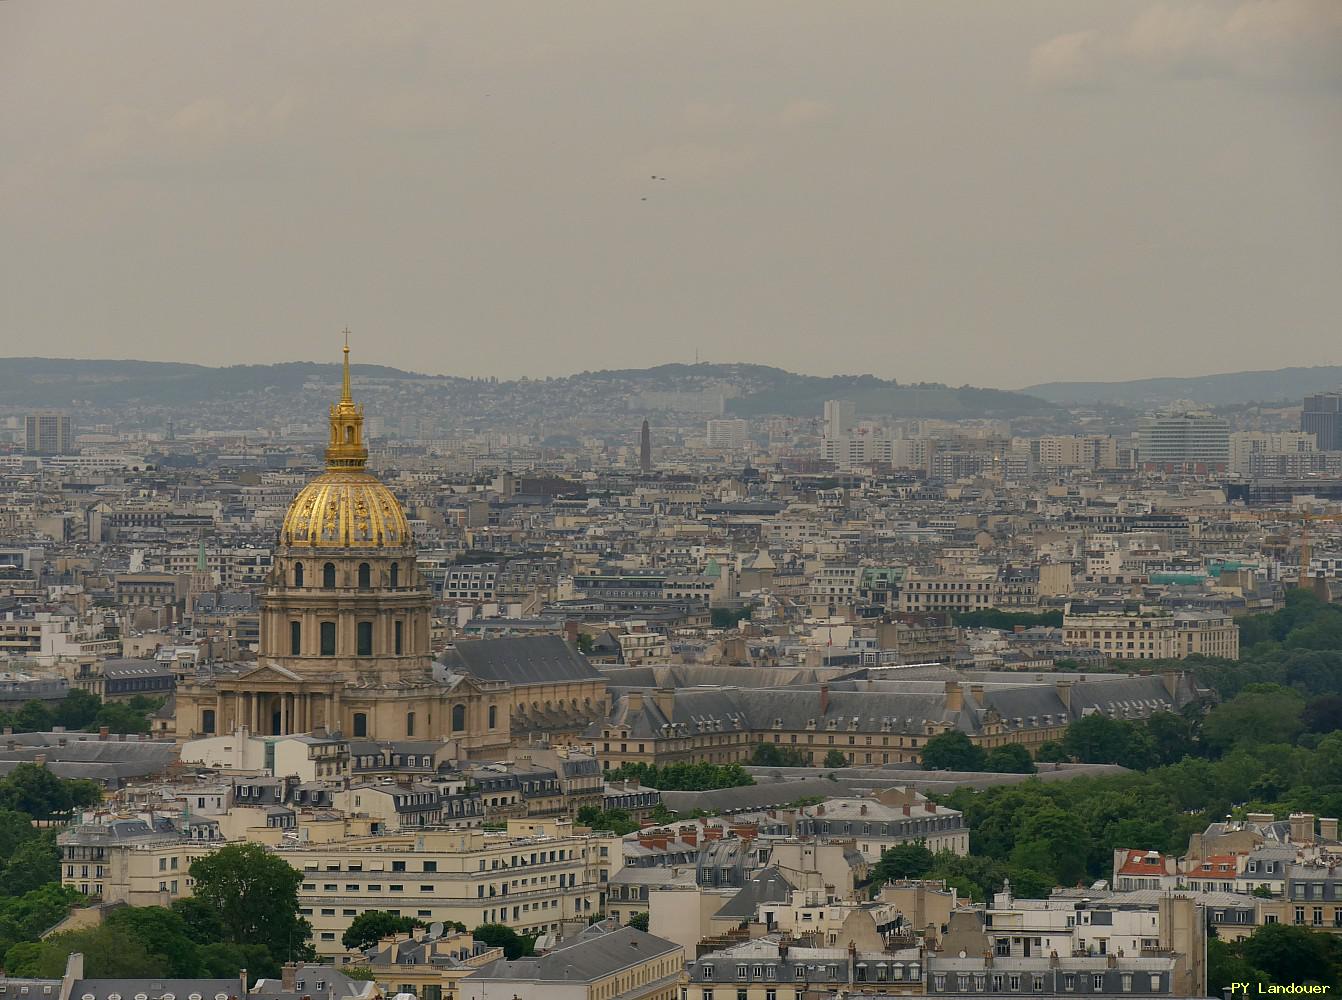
732, 434
1184, 441
840, 415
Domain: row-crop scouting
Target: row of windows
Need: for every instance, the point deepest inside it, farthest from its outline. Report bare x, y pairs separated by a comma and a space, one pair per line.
363, 638
364, 575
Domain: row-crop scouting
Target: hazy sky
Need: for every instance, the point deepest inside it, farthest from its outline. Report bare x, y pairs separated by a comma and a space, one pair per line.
988, 192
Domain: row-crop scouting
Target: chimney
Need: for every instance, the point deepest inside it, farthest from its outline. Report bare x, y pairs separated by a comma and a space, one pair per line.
955, 698
666, 701
824, 698
1302, 828
103, 732
1065, 694
289, 977
1327, 828
1171, 681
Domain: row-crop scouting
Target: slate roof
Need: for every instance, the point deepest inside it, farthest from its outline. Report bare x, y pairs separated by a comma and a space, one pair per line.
154, 989
520, 660
749, 796
593, 954
765, 886
335, 984
891, 707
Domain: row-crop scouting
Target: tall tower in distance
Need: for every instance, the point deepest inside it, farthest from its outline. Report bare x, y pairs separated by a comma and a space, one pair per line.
47, 432
645, 449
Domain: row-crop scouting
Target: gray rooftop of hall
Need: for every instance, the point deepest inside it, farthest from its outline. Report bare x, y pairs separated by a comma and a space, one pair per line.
154, 989
594, 953
531, 659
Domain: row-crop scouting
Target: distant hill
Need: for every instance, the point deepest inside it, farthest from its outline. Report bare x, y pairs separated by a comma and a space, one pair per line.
1283, 384
61, 381
752, 390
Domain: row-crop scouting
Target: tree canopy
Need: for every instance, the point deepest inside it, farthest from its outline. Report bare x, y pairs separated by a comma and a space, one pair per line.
254, 896
684, 777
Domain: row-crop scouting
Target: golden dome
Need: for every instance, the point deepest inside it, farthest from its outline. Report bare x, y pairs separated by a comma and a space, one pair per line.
345, 507
350, 510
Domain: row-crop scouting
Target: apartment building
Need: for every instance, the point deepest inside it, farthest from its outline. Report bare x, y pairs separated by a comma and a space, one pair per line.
139, 862
1151, 635
919, 593
532, 877
427, 965
888, 818
1206, 634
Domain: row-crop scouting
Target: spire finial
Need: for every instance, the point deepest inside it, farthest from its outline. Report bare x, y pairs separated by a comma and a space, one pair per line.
344, 389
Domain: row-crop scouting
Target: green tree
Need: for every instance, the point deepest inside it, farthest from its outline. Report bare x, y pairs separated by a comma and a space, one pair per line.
953, 751
514, 945
1260, 713
121, 718
684, 777
39, 793
33, 717
773, 755
1098, 739
1052, 751
617, 821
1052, 841
371, 926
110, 952
164, 935
835, 758
222, 960
23, 918
1290, 954
1011, 758
1171, 736
1225, 966
639, 921
1323, 714
33, 864
911, 860
78, 709
255, 895
16, 828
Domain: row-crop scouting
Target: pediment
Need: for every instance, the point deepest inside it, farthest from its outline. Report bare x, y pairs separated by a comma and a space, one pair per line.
269, 673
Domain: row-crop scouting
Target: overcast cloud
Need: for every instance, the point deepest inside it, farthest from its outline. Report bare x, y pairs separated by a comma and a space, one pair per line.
994, 193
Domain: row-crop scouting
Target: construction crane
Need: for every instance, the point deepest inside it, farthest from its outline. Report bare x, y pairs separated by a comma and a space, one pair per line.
1303, 519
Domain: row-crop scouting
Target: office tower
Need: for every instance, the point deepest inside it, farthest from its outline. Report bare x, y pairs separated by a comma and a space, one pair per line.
1184, 442
645, 449
1322, 417
48, 433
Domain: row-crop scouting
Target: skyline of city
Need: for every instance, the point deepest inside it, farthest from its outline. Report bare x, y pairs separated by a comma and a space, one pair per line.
764, 500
